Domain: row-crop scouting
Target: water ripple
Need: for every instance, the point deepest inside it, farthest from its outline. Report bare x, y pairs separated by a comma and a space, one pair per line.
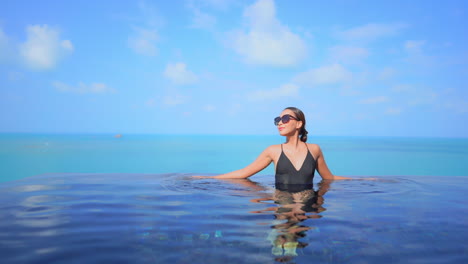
141, 218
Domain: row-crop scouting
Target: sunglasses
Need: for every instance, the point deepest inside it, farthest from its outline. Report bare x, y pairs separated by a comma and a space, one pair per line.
285, 119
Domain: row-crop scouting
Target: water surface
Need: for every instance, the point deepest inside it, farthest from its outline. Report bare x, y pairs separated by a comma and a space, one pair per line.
171, 218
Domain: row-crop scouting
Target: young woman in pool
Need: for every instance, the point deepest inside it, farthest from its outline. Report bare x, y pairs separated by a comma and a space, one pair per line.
295, 160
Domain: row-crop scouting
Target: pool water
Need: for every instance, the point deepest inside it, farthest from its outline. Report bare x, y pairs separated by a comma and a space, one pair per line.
172, 218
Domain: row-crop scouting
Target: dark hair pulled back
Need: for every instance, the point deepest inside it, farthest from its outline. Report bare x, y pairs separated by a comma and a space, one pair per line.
300, 115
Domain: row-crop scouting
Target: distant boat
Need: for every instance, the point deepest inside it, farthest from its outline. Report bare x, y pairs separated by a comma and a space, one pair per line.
118, 136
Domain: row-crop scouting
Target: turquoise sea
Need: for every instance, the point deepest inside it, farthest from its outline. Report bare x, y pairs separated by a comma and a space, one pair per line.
24, 155
103, 199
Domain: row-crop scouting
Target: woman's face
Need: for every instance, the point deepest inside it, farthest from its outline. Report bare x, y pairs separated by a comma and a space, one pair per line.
290, 127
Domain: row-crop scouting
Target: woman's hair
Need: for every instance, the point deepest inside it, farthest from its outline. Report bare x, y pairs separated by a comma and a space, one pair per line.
300, 115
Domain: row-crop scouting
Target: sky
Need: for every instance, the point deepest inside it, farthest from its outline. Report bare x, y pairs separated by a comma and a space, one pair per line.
356, 68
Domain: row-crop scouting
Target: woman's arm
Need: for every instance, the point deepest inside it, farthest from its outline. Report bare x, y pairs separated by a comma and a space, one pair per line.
323, 170
262, 161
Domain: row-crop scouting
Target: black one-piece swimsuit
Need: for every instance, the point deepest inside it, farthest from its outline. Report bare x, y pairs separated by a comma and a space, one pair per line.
287, 178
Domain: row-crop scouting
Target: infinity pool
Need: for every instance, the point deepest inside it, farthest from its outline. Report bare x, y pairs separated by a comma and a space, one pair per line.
172, 218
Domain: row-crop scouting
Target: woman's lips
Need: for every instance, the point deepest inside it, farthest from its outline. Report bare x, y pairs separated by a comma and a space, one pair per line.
280, 128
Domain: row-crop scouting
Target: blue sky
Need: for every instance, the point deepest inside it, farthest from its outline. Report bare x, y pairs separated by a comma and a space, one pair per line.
356, 68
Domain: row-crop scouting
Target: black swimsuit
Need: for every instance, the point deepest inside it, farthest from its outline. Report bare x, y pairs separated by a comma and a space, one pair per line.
287, 178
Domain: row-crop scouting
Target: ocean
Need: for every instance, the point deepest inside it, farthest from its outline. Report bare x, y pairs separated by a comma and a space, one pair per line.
131, 199
24, 155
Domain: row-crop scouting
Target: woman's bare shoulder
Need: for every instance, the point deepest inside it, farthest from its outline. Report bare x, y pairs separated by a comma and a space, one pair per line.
274, 148
314, 148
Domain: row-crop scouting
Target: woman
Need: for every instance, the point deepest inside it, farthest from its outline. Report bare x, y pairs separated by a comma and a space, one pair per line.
295, 160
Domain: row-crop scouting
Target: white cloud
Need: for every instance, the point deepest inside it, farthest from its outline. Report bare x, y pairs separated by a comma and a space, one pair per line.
4, 46
218, 4
371, 32
348, 54
402, 88
442, 99
363, 116
393, 111
178, 74
416, 54
423, 98
414, 46
234, 109
43, 47
172, 100
66, 44
349, 91
209, 108
286, 90
201, 19
374, 100
82, 88
145, 36
144, 41
460, 106
151, 102
386, 73
267, 42
330, 74
417, 96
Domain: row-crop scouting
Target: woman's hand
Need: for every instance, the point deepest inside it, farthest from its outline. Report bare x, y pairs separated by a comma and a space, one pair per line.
201, 177
367, 179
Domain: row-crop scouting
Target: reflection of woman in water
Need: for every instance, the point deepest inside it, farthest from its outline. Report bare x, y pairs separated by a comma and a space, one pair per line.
294, 208
295, 160
295, 164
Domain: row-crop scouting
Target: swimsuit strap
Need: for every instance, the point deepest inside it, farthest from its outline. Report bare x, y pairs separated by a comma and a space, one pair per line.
310, 152
307, 147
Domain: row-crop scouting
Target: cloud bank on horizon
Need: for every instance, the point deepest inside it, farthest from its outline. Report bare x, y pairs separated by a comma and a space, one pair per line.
396, 68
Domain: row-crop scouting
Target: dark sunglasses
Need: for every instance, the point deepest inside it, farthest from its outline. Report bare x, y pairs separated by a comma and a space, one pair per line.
285, 119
